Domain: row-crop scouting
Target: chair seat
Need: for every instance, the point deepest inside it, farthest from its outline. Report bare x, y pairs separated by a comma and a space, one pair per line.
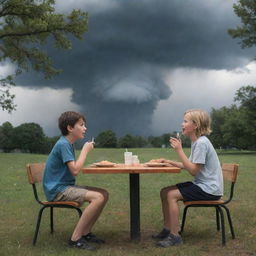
229, 172
71, 203
35, 174
214, 202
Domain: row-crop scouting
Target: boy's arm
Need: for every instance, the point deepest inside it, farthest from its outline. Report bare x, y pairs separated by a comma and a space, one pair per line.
75, 166
187, 164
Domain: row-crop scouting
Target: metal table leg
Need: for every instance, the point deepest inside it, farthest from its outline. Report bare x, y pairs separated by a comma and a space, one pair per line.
135, 206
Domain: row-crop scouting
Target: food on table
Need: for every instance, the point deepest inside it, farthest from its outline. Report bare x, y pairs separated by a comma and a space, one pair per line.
160, 160
105, 163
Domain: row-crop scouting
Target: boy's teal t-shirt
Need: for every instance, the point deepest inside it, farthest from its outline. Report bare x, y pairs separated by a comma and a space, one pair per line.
57, 176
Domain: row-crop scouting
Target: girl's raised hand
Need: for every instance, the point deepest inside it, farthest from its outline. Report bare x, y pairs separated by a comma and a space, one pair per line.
175, 143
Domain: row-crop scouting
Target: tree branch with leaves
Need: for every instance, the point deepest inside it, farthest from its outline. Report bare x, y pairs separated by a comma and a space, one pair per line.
246, 10
25, 27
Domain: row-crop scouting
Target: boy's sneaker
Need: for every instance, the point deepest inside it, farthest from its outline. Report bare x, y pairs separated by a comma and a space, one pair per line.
162, 235
170, 240
90, 237
81, 244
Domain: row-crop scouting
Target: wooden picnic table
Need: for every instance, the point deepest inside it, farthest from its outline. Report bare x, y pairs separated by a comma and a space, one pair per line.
134, 172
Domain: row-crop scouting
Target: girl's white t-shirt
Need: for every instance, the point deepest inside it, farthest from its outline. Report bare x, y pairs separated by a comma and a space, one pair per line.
209, 178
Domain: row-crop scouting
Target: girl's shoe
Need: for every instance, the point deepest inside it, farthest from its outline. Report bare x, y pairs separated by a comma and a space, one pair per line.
90, 237
81, 244
170, 240
162, 235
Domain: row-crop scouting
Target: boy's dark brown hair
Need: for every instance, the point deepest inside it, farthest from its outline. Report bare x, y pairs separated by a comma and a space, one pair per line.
69, 118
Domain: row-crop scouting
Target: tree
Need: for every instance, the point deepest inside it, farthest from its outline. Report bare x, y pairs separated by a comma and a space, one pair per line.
6, 137
25, 27
6, 98
234, 129
165, 139
29, 137
218, 117
156, 142
235, 126
246, 10
106, 139
246, 96
140, 141
126, 141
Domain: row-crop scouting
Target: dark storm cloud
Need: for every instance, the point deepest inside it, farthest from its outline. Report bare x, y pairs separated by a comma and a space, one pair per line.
117, 71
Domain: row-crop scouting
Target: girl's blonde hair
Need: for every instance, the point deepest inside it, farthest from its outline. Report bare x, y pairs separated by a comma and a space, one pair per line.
201, 119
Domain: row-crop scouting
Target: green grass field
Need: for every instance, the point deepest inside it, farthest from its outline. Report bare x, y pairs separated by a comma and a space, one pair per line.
19, 211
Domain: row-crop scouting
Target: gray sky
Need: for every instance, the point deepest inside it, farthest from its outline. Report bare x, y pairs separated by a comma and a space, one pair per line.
140, 66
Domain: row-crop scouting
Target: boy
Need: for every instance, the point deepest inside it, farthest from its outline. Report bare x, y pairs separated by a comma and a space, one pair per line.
203, 163
59, 179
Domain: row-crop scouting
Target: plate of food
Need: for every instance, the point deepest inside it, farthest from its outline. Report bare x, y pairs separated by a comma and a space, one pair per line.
104, 163
159, 160
156, 164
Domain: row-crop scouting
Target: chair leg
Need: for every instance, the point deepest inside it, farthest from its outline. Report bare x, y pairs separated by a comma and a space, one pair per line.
38, 225
79, 212
222, 225
217, 219
51, 217
183, 219
229, 221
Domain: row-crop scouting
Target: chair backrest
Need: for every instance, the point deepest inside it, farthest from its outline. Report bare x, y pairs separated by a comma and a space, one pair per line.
35, 172
230, 172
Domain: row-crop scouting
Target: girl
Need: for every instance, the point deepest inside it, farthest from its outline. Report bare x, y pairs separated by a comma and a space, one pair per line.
203, 164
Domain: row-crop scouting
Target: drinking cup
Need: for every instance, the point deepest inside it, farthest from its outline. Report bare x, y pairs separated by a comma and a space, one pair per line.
135, 160
127, 158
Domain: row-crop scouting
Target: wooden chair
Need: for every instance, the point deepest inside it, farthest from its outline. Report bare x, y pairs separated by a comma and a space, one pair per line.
35, 174
229, 174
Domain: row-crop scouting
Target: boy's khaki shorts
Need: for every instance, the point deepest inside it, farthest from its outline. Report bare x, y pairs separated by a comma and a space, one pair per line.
73, 193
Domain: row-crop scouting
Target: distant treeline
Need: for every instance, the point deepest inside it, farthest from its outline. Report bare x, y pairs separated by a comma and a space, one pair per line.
30, 138
232, 127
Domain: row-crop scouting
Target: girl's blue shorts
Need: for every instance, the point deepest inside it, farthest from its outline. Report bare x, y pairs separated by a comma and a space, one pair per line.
192, 192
